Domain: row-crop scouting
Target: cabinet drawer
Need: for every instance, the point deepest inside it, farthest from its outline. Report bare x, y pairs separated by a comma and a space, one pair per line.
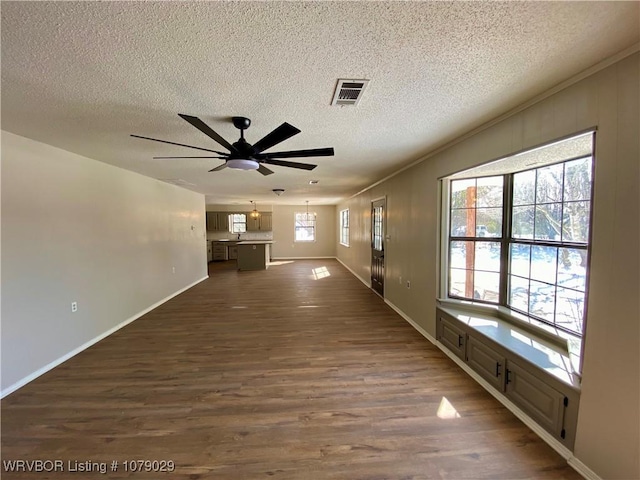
486, 361
452, 337
540, 401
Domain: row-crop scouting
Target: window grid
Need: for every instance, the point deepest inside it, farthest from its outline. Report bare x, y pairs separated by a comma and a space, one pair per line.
546, 237
237, 223
344, 227
305, 227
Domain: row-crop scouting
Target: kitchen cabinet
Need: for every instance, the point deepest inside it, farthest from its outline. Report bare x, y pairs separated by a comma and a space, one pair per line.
209, 251
261, 224
253, 255
233, 251
530, 372
217, 221
220, 252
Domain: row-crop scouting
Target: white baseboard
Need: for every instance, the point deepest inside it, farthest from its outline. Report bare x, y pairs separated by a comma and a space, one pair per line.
582, 469
22, 382
368, 284
420, 330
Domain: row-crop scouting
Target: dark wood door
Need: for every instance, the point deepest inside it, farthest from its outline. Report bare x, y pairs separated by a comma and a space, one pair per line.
377, 245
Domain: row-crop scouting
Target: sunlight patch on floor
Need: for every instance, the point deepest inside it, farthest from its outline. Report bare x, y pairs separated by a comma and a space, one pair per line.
320, 272
447, 411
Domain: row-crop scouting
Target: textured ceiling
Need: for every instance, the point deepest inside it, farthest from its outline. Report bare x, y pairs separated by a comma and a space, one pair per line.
82, 76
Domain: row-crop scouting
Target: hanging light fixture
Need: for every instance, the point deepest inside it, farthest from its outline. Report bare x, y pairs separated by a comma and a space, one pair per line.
307, 217
255, 213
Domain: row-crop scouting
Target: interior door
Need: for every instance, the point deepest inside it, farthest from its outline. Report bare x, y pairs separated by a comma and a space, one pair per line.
377, 245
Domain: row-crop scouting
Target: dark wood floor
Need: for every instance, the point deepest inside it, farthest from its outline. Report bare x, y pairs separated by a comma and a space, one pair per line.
297, 372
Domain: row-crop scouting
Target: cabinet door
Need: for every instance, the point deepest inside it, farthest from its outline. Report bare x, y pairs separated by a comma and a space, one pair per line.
212, 221
266, 222
489, 363
452, 337
540, 401
253, 224
233, 252
222, 223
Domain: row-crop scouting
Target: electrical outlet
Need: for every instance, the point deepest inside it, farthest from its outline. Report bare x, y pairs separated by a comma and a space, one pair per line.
400, 280
74, 307
408, 284
173, 269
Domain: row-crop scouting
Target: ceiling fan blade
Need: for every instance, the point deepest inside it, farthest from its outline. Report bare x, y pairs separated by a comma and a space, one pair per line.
219, 167
278, 135
314, 152
179, 144
284, 163
222, 158
206, 129
264, 170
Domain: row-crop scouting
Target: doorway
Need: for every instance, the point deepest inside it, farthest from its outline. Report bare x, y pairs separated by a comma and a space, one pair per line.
378, 208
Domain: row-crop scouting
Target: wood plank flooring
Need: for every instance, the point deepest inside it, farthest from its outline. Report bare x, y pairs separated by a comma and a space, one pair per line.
297, 372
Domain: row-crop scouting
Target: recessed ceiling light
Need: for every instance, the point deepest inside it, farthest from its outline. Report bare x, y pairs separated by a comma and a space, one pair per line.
313, 182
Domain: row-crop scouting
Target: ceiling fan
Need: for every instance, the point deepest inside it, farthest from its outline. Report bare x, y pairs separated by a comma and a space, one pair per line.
245, 156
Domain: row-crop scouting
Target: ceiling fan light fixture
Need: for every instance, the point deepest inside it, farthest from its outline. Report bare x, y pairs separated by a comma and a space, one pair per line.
243, 164
278, 191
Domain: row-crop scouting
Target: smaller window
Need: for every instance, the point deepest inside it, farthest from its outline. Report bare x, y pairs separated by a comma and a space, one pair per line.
237, 223
305, 227
344, 227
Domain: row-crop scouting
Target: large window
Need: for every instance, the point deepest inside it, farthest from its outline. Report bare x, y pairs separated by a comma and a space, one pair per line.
344, 227
305, 227
521, 238
237, 223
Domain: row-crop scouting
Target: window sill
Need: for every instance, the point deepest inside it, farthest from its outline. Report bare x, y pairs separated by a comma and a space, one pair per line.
344, 244
512, 329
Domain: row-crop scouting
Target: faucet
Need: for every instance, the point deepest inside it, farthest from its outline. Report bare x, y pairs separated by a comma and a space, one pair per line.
238, 236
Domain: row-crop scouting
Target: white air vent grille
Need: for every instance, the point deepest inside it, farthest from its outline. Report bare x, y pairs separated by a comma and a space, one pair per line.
349, 92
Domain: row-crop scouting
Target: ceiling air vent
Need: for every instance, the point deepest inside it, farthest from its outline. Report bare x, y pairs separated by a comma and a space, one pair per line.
348, 92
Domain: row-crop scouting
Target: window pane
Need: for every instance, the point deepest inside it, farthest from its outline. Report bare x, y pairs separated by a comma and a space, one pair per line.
486, 286
489, 222
542, 300
548, 218
304, 234
458, 282
577, 180
519, 293
489, 191
459, 253
575, 222
487, 256
569, 309
549, 184
522, 222
463, 193
543, 263
524, 188
459, 220
572, 268
519, 260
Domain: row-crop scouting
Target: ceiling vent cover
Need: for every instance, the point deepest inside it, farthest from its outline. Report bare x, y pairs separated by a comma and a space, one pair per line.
348, 92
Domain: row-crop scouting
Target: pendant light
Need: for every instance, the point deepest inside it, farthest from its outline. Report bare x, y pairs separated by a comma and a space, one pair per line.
307, 217
254, 213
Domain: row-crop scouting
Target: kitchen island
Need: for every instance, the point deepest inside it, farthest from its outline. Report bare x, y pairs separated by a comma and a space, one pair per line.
254, 254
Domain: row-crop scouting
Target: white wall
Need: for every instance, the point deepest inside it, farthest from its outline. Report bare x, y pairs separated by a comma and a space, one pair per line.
608, 434
74, 229
283, 232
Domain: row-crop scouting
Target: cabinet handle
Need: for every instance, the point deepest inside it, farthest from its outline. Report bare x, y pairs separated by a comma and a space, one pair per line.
498, 369
508, 380
459, 340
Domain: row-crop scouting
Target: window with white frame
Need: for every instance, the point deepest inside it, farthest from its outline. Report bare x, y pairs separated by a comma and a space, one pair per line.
305, 227
344, 227
237, 223
518, 233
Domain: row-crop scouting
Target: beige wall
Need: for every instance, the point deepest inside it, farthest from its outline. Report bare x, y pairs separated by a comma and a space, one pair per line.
608, 435
283, 232
74, 229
